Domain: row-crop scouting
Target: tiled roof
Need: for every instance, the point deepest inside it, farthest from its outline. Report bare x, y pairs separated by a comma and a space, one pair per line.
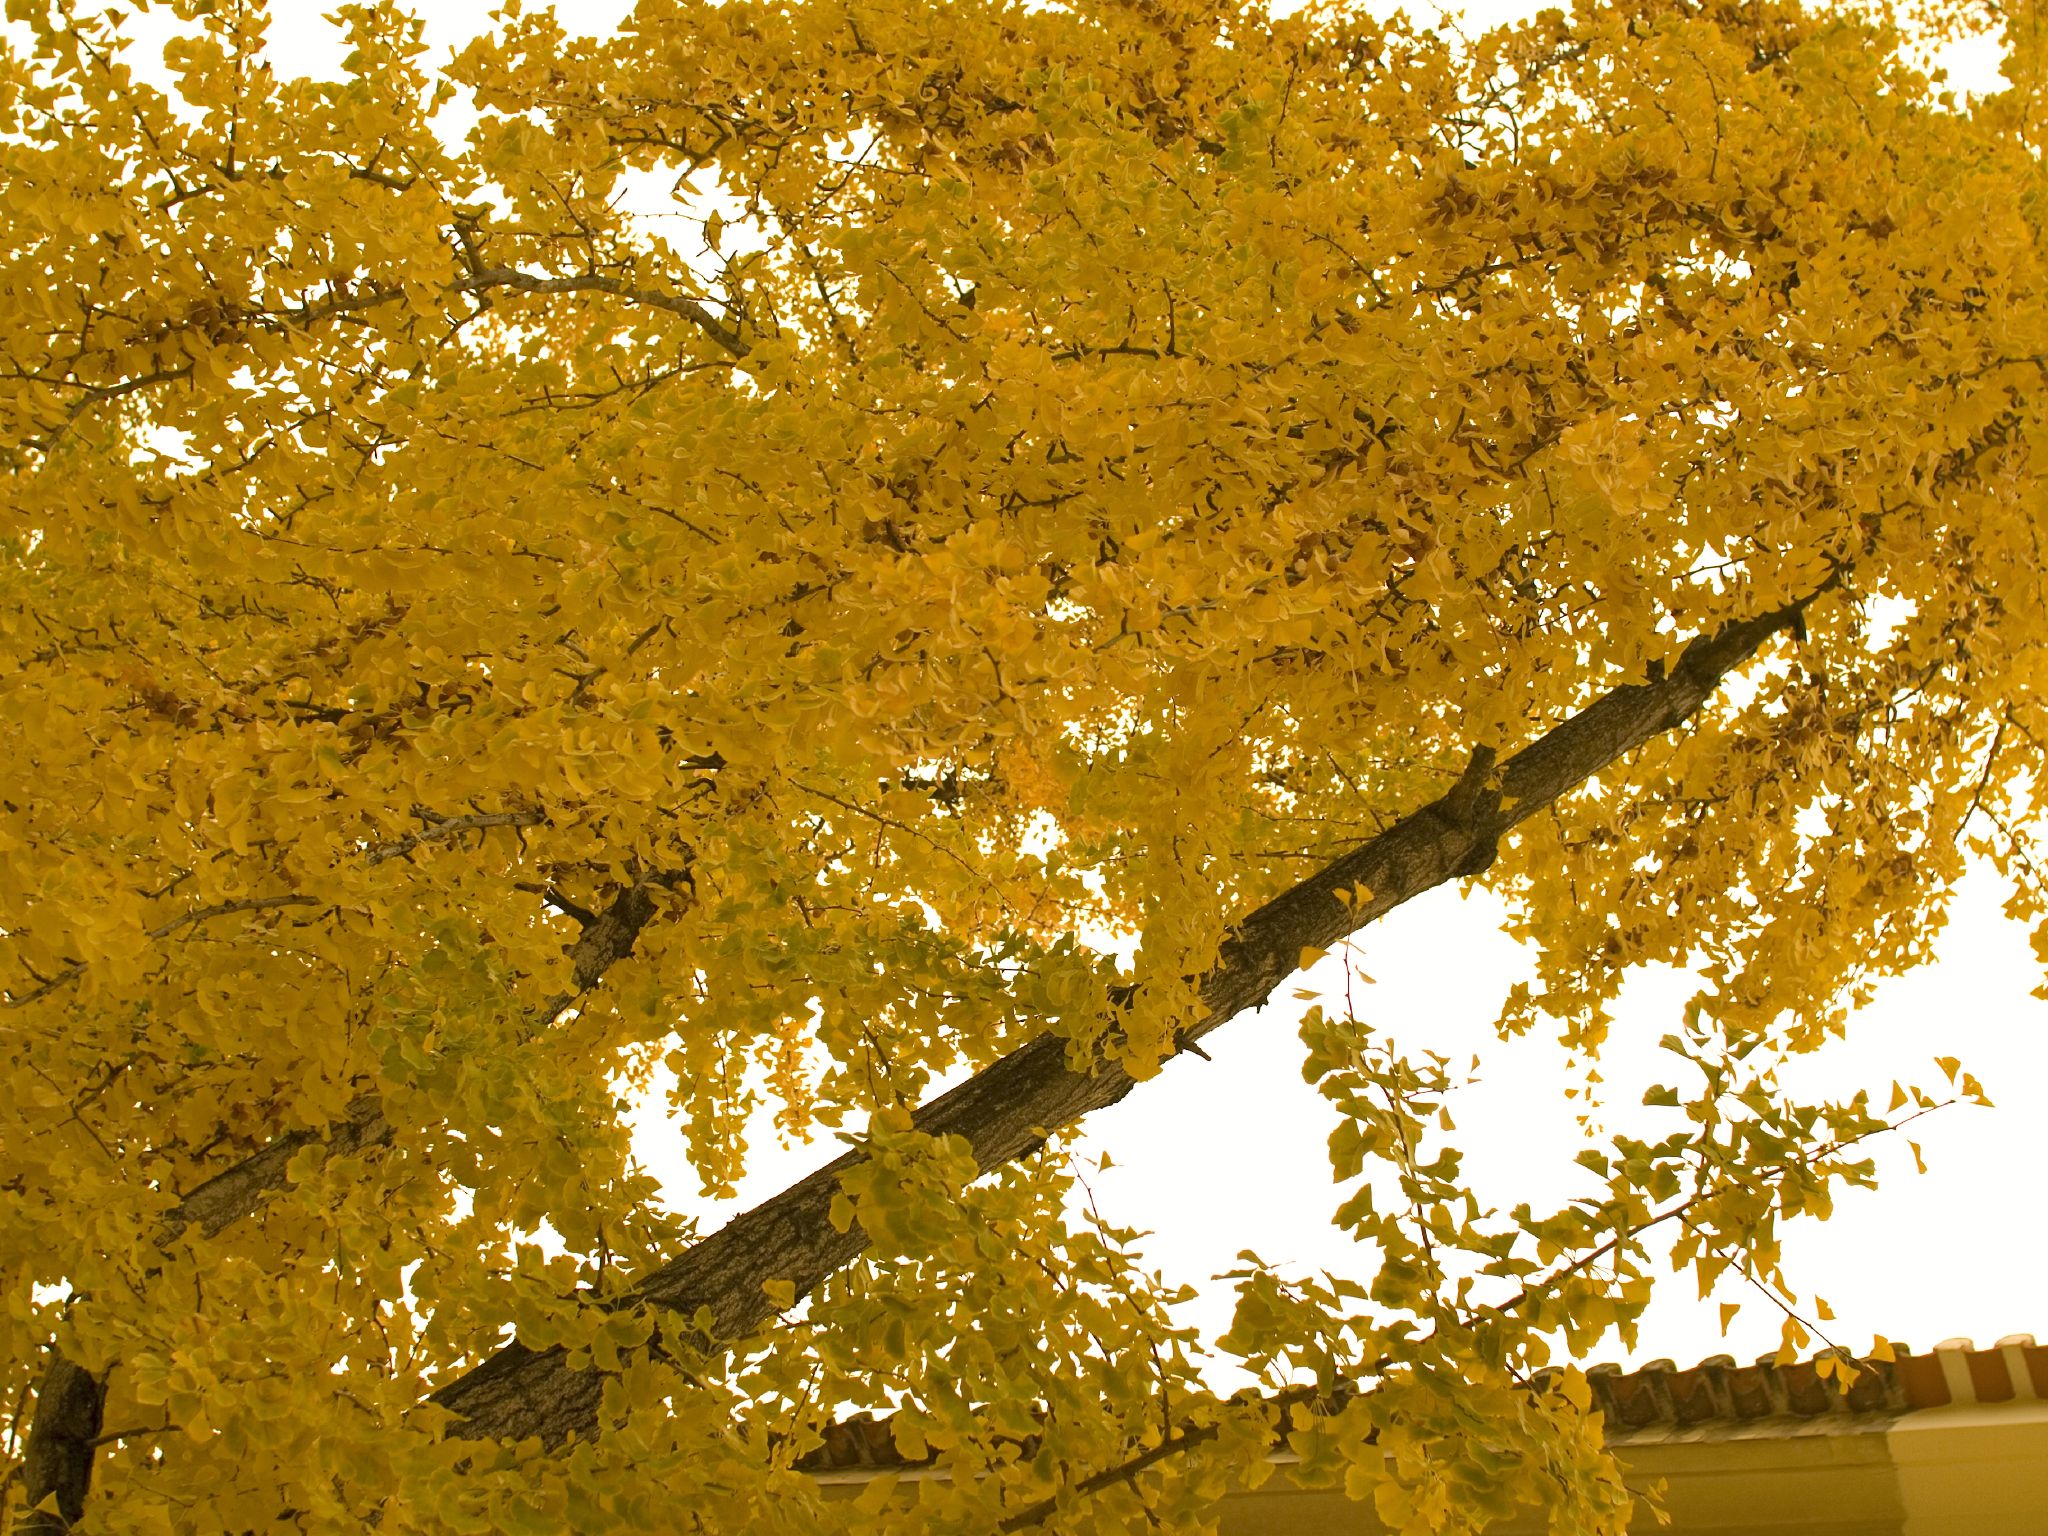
1657, 1399
1718, 1392
858, 1444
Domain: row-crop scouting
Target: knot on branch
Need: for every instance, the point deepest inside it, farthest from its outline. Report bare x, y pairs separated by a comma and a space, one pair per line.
1469, 810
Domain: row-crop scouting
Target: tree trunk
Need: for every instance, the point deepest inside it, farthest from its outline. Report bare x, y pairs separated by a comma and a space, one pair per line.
57, 1458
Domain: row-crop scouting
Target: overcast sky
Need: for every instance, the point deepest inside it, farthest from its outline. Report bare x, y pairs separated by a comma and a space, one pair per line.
1218, 1156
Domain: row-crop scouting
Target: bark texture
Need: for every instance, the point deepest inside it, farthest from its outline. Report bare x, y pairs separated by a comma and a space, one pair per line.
57, 1457
227, 1197
1008, 1109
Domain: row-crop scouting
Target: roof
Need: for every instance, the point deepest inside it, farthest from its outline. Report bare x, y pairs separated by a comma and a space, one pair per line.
1718, 1392
1716, 1396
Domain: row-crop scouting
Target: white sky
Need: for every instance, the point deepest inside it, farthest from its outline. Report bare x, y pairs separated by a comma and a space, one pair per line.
1214, 1157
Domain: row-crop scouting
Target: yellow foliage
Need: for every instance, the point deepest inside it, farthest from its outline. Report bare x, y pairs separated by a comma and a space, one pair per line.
469, 638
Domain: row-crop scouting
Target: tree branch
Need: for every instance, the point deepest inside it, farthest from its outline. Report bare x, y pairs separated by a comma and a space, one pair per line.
1007, 1110
690, 309
436, 827
56, 1458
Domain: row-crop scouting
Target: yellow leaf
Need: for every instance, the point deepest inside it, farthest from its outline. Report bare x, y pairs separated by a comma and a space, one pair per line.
841, 1213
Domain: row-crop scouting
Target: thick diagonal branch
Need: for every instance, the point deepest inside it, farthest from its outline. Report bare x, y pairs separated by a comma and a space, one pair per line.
1008, 1109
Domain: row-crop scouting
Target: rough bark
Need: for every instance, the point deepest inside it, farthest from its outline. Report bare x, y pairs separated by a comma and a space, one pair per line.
1008, 1109
57, 1457
227, 1197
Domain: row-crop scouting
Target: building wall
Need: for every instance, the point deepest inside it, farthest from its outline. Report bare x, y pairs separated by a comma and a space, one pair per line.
1964, 1470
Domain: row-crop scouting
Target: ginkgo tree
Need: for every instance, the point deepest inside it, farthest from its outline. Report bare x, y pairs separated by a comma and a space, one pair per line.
1137, 470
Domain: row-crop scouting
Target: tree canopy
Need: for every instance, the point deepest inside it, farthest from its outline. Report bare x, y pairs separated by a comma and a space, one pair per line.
1045, 475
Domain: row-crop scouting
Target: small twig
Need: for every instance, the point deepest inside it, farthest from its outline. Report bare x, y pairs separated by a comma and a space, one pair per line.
131, 1433
1036, 1514
224, 908
455, 826
1677, 1212
1742, 1266
76, 968
1983, 780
